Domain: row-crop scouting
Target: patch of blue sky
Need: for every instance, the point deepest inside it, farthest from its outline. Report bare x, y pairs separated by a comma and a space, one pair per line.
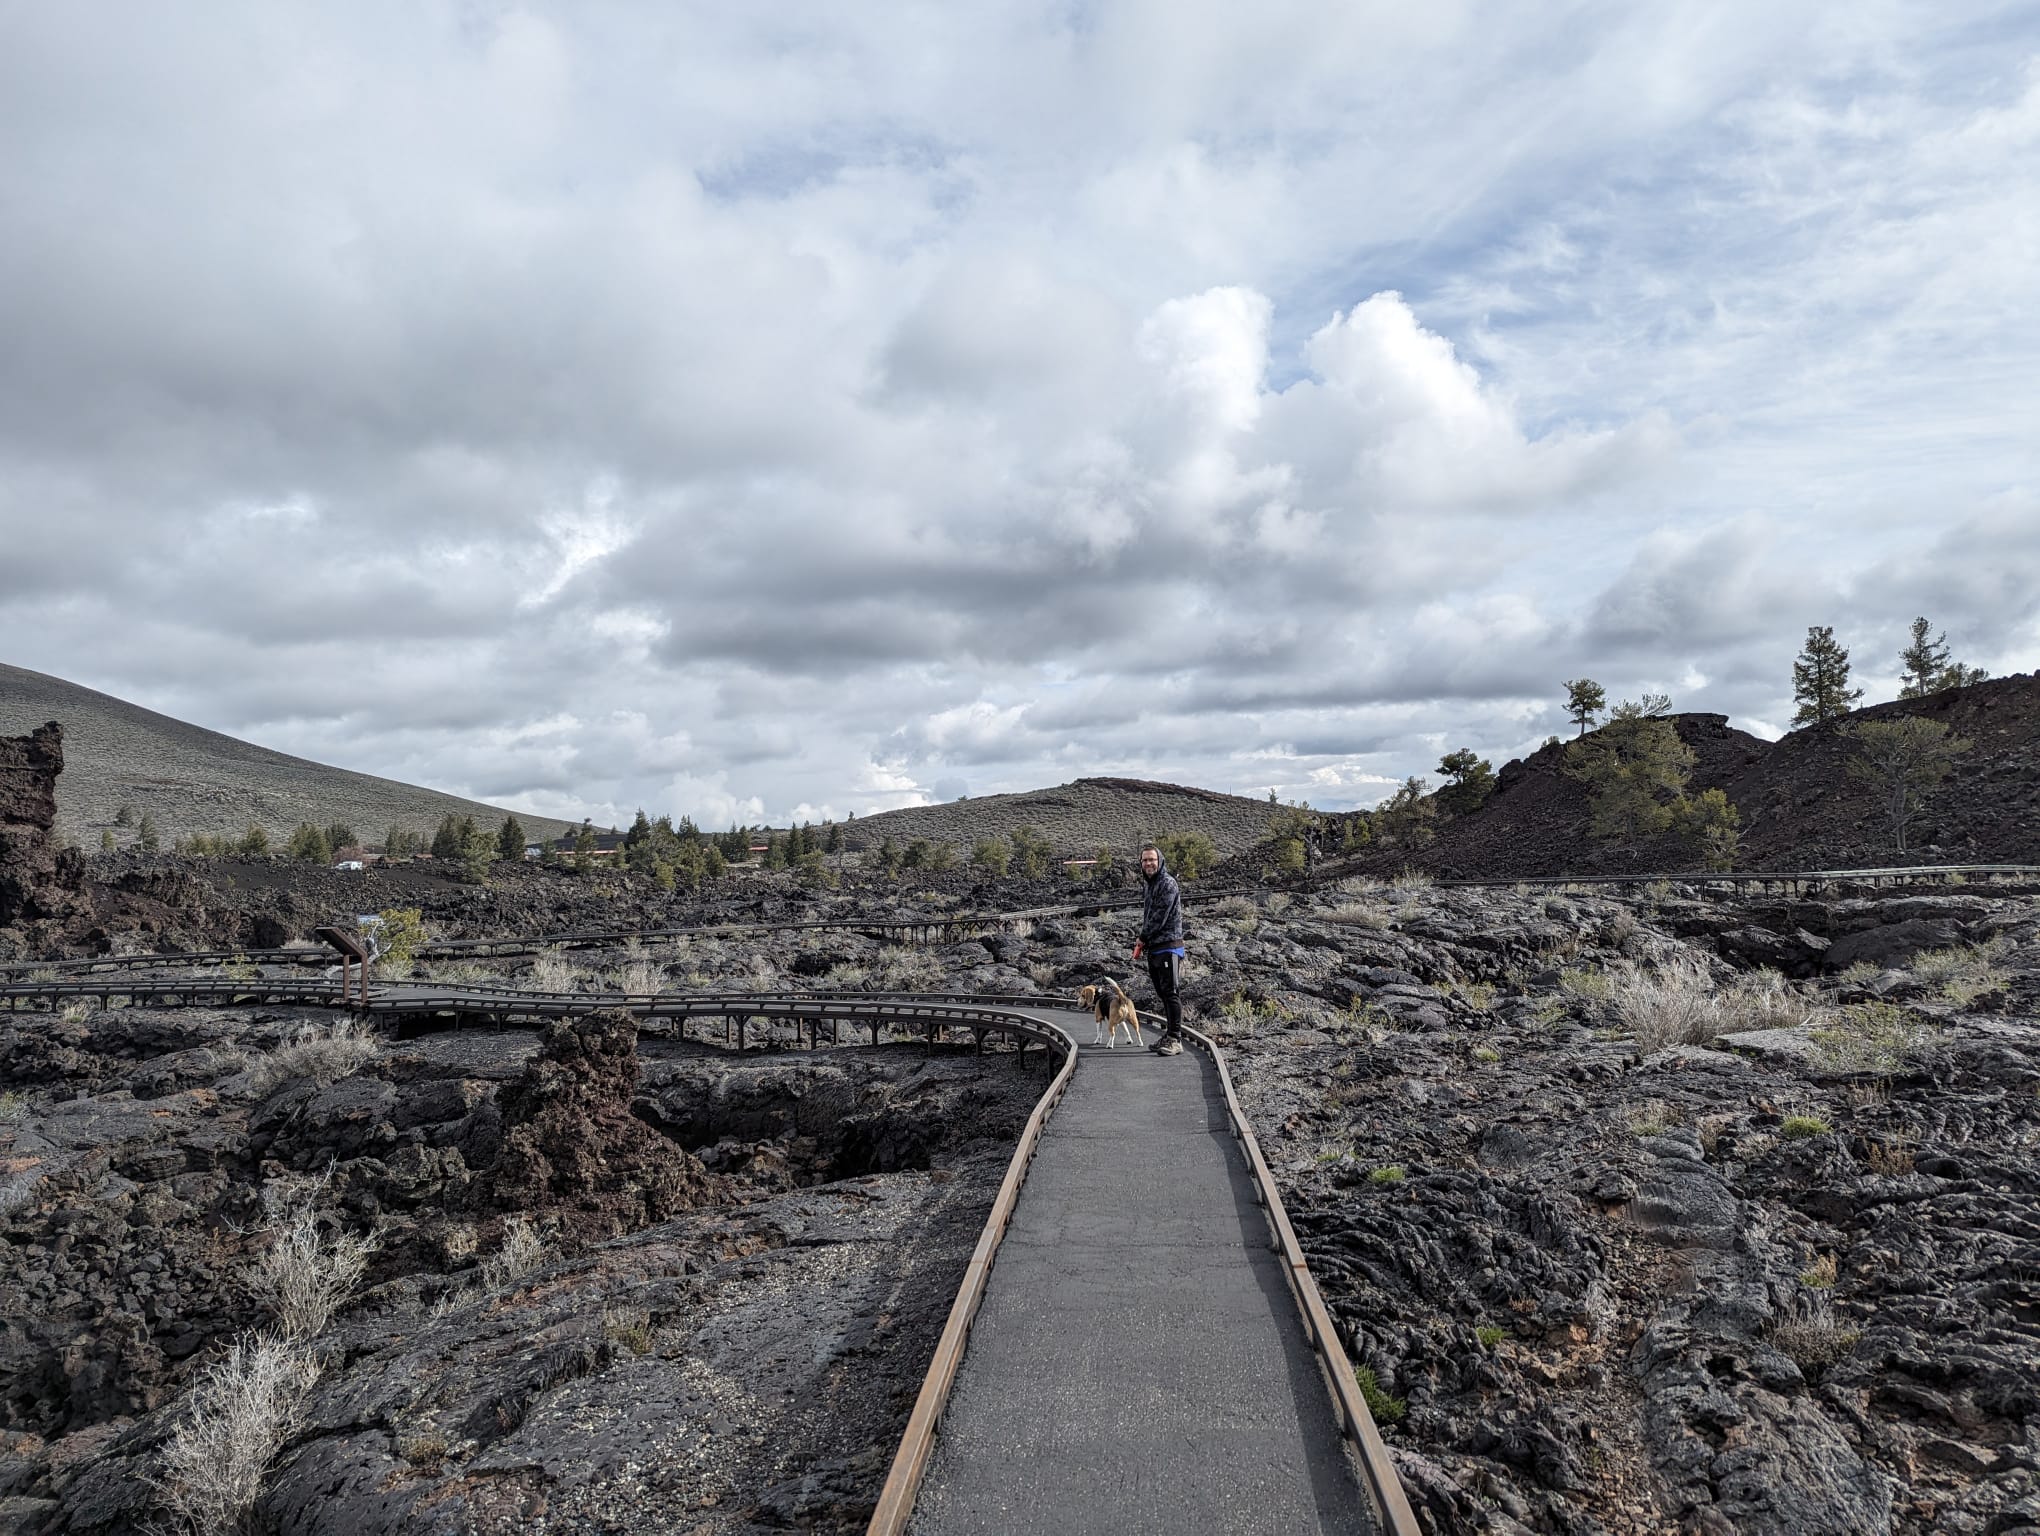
782, 168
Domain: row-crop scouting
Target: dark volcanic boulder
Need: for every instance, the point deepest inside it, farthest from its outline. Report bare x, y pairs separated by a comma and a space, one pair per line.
37, 878
1892, 944
569, 1138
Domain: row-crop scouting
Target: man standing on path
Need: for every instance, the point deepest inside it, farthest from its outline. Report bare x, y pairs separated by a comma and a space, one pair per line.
1161, 942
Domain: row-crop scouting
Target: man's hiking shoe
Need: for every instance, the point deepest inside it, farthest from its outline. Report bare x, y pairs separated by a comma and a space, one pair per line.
1166, 1047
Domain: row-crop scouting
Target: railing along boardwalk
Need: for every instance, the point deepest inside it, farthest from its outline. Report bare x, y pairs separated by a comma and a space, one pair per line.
1149, 1354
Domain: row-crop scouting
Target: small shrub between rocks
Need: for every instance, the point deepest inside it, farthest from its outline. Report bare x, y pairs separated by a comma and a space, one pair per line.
243, 1410
1820, 1274
1963, 974
1674, 1006
1814, 1347
631, 1330
1870, 1037
1392, 1173
304, 1275
523, 1251
1490, 1335
1385, 1408
1587, 983
324, 1055
1800, 1127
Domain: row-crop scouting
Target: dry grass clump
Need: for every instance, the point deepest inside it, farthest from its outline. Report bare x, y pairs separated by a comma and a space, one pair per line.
1672, 1006
640, 978
901, 969
240, 1414
1358, 914
1678, 1004
523, 1251
322, 1054
1871, 1037
1409, 879
1763, 999
553, 972
1964, 973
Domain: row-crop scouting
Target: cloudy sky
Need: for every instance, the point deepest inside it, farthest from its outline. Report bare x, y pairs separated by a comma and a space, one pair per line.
787, 410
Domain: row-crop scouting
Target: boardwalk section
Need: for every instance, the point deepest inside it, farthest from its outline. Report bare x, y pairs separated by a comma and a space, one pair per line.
1138, 1364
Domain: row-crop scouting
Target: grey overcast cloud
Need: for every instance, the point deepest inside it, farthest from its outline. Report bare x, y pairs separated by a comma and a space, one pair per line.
778, 412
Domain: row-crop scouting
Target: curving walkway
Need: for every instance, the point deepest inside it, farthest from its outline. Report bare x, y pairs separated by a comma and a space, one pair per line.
1138, 1364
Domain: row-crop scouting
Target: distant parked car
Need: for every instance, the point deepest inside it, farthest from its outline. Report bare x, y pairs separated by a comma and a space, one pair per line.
350, 864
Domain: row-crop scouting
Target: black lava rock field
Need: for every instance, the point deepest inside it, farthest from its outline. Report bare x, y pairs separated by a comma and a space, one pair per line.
1660, 1213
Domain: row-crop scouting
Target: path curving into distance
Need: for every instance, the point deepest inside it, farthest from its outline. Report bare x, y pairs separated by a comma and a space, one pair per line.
1137, 1345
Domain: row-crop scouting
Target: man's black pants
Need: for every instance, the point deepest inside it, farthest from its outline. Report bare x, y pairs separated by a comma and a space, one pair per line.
1164, 971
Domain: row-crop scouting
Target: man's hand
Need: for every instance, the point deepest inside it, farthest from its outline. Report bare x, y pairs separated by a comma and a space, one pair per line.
1139, 949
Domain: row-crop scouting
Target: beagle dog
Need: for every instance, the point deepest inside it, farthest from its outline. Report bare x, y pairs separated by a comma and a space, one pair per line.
1113, 1010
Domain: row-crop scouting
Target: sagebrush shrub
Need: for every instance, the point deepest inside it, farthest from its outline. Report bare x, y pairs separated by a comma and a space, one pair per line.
240, 1414
321, 1054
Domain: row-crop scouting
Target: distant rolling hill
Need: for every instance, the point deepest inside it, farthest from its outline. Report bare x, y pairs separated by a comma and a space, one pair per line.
1077, 817
194, 780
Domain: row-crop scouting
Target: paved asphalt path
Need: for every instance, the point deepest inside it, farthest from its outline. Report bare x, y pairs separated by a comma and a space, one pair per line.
1138, 1365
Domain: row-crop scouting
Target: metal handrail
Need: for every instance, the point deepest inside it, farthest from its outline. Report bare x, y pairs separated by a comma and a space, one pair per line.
910, 1462
1377, 1468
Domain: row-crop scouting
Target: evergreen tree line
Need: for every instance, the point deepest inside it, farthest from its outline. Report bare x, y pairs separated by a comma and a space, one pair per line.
1637, 770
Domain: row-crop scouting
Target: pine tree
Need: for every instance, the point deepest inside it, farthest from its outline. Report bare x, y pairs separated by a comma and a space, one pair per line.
1473, 780
1926, 667
510, 839
640, 830
1584, 699
339, 835
1820, 679
1635, 770
151, 839
1922, 662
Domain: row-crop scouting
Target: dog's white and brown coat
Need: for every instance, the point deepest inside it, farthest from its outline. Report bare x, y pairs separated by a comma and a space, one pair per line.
1113, 1010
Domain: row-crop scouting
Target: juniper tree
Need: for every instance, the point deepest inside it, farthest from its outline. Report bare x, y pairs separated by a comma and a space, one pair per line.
1033, 854
1820, 679
308, 845
1900, 761
1584, 701
1405, 817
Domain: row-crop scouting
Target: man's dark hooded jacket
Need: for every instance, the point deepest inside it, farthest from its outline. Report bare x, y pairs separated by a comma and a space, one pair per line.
1161, 918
